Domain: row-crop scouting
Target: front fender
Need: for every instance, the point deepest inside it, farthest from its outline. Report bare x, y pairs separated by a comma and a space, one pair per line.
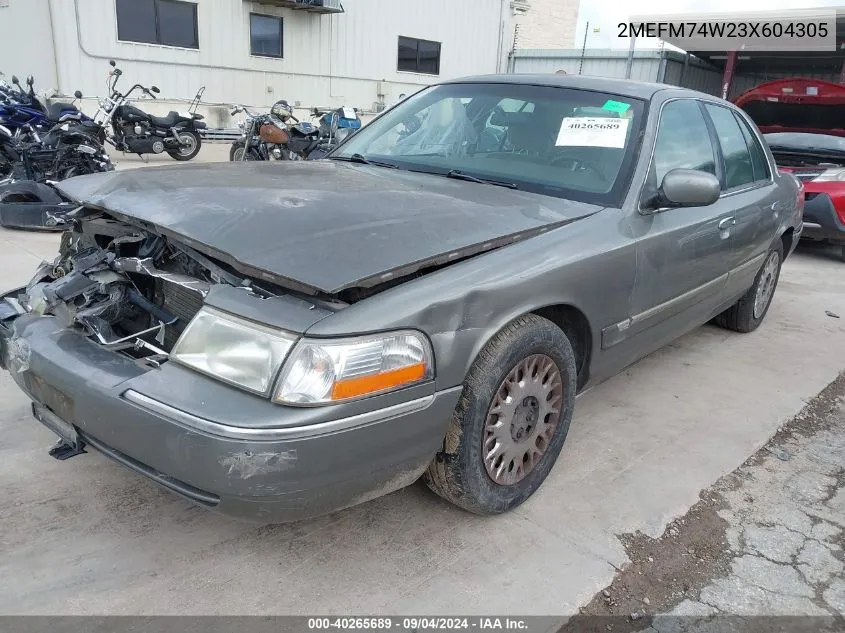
588, 265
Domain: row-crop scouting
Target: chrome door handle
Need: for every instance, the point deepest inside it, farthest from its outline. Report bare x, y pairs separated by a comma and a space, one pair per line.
725, 223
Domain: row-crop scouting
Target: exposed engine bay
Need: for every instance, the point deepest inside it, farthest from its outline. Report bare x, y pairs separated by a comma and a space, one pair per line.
127, 288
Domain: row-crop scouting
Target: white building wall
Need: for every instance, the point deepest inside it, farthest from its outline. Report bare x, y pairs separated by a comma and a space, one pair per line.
329, 59
550, 24
26, 23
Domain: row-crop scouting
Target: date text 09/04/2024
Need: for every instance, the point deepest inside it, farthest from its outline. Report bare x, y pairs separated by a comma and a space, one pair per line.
417, 623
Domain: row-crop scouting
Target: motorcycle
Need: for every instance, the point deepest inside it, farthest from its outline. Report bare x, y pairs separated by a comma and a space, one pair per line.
19, 108
29, 167
335, 127
136, 132
280, 135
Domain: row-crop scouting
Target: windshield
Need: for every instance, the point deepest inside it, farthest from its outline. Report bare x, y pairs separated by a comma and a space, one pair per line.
562, 142
805, 142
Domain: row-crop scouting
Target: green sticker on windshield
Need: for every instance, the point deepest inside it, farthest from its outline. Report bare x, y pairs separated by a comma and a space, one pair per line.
616, 106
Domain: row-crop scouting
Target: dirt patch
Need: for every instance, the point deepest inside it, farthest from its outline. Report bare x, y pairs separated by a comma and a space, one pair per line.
693, 550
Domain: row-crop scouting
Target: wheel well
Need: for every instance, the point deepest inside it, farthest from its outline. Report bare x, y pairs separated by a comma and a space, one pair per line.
786, 238
577, 329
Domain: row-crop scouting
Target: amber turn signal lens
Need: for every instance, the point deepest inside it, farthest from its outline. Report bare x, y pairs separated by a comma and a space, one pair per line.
384, 381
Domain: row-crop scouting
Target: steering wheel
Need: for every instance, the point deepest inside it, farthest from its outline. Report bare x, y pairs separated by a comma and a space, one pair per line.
579, 164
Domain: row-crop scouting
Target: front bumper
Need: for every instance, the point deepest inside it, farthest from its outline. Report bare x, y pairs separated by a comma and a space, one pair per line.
218, 446
820, 219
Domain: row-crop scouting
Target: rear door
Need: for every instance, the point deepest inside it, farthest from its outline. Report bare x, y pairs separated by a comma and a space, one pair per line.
682, 254
748, 188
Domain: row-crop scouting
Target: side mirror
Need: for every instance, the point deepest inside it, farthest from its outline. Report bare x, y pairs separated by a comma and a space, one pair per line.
155, 89
688, 188
78, 94
112, 63
15, 80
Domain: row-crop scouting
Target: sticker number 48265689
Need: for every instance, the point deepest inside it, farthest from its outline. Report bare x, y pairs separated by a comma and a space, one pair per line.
592, 132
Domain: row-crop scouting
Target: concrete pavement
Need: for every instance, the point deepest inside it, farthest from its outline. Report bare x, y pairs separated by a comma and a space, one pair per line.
88, 537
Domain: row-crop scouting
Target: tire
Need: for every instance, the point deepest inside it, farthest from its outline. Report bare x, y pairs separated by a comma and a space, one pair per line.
459, 473
237, 149
745, 315
189, 152
842, 254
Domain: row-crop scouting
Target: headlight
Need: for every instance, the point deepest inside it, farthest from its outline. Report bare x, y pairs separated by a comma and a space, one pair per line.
323, 372
232, 349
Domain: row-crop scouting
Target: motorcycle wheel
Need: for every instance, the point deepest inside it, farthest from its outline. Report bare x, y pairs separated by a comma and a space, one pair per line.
191, 144
237, 151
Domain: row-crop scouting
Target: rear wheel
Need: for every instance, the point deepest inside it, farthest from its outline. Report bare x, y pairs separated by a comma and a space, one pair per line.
842, 254
748, 313
511, 421
190, 146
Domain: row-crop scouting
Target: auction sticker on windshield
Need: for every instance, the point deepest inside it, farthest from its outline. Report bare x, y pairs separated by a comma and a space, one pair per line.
592, 132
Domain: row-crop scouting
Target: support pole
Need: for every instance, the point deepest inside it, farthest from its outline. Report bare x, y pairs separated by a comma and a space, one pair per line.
684, 71
728, 76
583, 48
629, 65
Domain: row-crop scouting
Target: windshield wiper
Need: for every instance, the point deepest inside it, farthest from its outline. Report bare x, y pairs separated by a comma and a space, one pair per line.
360, 158
459, 175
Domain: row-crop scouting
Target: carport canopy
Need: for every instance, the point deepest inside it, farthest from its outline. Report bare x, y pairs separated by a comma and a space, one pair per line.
794, 62
780, 63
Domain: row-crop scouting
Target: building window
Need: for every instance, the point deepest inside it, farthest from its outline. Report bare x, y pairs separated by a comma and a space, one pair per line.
167, 22
419, 56
266, 35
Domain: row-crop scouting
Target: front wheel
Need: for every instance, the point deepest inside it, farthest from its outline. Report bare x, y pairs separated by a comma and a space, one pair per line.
511, 421
236, 153
190, 144
748, 313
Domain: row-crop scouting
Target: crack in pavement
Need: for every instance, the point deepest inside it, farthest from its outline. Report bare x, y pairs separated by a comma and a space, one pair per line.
762, 540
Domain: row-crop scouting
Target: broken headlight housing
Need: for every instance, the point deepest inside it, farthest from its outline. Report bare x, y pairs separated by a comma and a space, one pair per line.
321, 372
232, 349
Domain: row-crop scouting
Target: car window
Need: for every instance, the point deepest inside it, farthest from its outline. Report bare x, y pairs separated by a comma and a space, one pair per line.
759, 162
683, 140
738, 168
563, 142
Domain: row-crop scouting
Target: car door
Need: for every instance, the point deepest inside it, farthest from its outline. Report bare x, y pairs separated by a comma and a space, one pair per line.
747, 184
682, 253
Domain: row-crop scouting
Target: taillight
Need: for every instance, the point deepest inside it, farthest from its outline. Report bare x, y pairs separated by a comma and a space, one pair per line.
799, 202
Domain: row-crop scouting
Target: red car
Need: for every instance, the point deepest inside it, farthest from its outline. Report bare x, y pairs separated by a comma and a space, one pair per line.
803, 121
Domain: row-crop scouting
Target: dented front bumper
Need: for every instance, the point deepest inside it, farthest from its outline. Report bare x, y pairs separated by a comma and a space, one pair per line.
218, 446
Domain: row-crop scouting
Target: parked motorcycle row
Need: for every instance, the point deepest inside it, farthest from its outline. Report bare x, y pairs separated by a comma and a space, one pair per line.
41, 144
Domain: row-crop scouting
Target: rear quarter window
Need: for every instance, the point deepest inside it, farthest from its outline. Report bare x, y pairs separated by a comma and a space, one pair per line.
759, 161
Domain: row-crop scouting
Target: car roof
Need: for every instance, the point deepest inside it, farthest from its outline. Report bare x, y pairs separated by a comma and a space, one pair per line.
622, 87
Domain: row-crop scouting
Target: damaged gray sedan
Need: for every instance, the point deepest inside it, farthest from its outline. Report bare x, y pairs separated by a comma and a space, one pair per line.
278, 341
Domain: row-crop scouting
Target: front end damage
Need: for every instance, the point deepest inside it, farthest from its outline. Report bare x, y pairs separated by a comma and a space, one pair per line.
127, 289
89, 340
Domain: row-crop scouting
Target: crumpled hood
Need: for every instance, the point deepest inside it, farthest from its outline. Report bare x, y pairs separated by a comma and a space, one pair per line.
326, 225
